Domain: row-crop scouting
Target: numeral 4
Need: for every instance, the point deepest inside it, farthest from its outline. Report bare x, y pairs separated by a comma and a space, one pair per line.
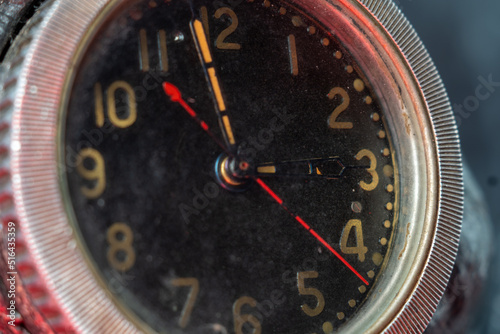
359, 248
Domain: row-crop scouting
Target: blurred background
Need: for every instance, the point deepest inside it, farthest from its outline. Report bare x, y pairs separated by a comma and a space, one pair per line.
463, 38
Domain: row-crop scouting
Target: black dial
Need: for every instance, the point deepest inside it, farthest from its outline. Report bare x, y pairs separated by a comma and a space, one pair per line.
230, 170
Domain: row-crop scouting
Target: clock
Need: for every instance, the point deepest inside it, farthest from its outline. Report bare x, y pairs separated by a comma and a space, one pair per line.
253, 167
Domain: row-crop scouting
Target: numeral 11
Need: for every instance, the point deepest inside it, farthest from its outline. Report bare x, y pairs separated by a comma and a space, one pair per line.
144, 58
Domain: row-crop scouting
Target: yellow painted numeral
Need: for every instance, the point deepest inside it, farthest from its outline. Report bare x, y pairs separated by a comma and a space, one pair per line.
144, 50
320, 305
121, 253
220, 42
241, 319
95, 174
332, 120
206, 22
294, 61
372, 170
121, 121
194, 284
162, 46
360, 248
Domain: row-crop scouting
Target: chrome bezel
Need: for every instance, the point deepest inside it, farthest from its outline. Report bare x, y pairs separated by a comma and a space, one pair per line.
419, 115
429, 161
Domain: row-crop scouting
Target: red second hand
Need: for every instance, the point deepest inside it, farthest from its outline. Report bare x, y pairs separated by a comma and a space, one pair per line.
175, 96
309, 229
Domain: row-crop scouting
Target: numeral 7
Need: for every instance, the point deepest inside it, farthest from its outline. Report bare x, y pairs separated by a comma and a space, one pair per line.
194, 284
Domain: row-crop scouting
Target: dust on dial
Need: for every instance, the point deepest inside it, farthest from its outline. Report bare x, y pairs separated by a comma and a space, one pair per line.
184, 235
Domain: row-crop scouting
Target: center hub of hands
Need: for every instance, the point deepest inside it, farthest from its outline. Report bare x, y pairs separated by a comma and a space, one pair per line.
232, 173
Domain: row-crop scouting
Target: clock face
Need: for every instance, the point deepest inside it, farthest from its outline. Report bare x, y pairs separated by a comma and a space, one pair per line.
230, 169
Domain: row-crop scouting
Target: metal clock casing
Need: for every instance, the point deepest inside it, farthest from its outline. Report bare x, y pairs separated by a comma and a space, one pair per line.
378, 56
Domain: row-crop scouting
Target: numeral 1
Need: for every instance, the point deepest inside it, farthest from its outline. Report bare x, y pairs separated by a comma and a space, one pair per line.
292, 47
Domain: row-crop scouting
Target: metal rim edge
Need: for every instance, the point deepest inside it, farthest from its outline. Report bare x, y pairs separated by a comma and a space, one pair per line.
34, 91
38, 309
422, 304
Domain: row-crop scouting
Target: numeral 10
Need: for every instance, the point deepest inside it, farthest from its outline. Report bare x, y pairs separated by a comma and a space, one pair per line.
127, 115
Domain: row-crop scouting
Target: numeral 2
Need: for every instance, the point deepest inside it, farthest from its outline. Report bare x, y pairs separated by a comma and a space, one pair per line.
220, 42
332, 120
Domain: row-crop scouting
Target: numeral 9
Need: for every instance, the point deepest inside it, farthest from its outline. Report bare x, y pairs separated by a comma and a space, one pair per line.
96, 174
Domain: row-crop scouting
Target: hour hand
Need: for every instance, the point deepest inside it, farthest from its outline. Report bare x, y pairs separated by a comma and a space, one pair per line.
206, 59
327, 168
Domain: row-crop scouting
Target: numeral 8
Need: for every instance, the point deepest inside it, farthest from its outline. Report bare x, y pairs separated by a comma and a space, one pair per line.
121, 244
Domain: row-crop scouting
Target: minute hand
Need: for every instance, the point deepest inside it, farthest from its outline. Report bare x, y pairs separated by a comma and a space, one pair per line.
206, 59
327, 168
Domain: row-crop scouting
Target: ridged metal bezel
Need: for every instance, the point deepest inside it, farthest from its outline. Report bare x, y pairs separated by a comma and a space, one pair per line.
424, 300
